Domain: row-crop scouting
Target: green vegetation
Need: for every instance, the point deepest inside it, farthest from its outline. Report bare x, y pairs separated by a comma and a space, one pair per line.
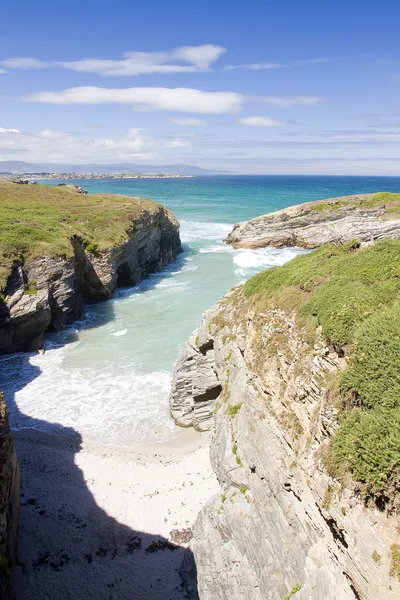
31, 288
376, 557
395, 563
219, 321
234, 452
353, 293
40, 220
390, 202
291, 423
197, 341
243, 488
334, 286
234, 409
296, 588
327, 499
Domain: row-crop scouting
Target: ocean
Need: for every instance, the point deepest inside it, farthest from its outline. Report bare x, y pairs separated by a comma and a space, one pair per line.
108, 376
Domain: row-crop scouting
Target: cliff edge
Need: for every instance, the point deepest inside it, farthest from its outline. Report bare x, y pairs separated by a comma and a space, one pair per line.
363, 216
9, 502
60, 249
296, 372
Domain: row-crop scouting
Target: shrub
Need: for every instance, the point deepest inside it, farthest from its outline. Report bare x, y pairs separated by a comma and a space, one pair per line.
353, 293
296, 588
234, 409
367, 444
374, 375
395, 563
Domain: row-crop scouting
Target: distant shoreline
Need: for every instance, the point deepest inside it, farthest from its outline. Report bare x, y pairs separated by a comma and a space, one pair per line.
66, 176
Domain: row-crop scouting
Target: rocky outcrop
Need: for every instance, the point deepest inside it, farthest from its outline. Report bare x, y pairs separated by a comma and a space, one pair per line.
76, 188
364, 216
48, 293
9, 502
281, 527
196, 385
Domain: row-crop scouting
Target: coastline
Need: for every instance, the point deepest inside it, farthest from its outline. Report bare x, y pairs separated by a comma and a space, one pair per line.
95, 519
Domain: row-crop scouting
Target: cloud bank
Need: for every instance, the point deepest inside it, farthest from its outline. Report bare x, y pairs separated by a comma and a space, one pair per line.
60, 146
263, 122
194, 59
147, 99
270, 65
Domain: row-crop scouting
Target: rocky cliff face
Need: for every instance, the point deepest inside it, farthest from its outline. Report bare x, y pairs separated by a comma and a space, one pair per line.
365, 216
49, 293
281, 527
9, 502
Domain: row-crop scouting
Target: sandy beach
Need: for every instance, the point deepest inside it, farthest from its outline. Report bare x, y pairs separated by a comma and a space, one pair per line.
106, 523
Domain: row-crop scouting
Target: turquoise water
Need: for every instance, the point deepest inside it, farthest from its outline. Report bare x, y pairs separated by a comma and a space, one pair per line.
108, 377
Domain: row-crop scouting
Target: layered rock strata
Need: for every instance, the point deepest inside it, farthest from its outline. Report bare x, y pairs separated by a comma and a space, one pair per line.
48, 293
9, 502
364, 216
281, 527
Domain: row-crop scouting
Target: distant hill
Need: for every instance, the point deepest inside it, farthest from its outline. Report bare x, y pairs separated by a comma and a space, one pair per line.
14, 166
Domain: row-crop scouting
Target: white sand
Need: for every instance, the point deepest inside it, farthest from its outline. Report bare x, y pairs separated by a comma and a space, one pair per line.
93, 516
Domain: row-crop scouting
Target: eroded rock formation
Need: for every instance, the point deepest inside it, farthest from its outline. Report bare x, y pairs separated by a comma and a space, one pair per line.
281, 527
364, 216
49, 293
9, 502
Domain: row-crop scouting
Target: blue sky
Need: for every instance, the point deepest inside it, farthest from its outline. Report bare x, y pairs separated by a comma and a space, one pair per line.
252, 86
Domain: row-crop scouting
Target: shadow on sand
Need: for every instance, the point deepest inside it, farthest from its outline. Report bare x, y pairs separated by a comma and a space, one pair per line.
68, 547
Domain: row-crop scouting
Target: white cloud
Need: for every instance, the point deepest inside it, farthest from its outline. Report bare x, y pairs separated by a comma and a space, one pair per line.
255, 66
147, 99
24, 63
310, 61
271, 65
262, 122
188, 122
287, 101
195, 58
2, 71
60, 146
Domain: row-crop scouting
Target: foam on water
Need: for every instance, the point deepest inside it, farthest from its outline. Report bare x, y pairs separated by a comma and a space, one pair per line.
253, 261
217, 249
194, 230
108, 376
121, 332
116, 406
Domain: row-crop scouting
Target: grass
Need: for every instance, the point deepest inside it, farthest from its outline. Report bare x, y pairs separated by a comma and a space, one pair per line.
39, 220
234, 409
353, 293
327, 499
390, 202
376, 557
395, 562
296, 588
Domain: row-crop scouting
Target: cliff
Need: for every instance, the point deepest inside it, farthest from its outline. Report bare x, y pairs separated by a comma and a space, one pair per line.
364, 216
297, 372
59, 250
9, 502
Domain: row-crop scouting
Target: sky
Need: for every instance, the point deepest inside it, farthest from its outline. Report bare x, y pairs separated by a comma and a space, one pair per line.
246, 86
